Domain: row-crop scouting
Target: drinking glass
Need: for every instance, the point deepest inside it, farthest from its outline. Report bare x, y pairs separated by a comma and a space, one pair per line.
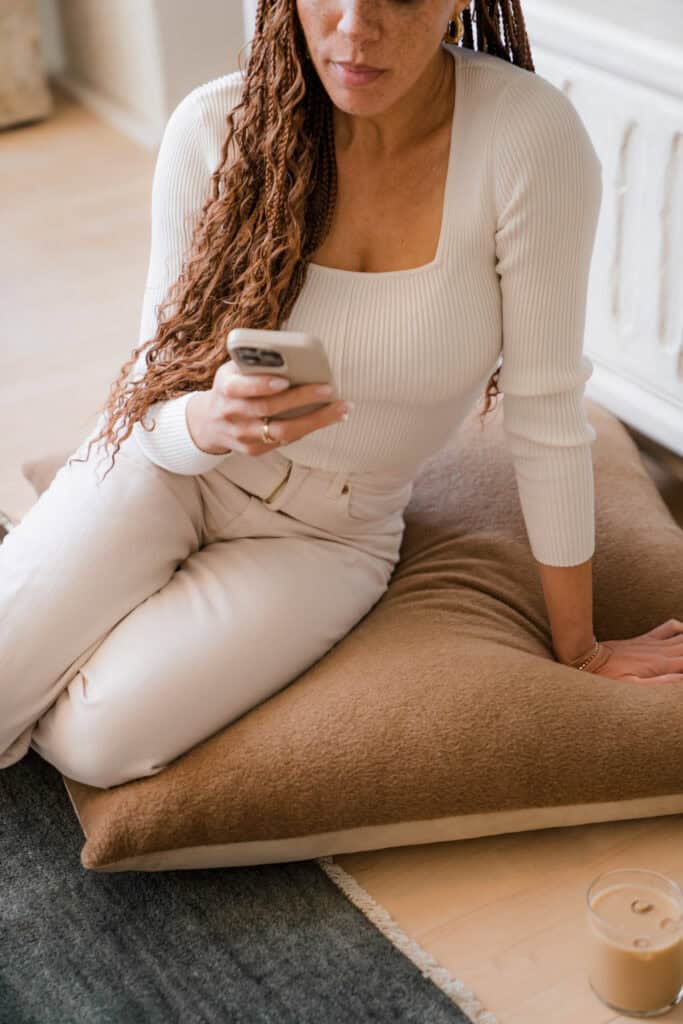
635, 941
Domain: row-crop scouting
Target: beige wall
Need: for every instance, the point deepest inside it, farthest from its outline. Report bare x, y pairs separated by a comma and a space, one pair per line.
198, 40
133, 60
112, 48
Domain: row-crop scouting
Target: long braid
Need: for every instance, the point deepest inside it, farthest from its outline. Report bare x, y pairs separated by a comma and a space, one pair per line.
265, 212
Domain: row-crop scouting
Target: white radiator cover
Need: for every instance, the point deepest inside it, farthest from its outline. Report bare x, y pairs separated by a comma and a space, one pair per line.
625, 78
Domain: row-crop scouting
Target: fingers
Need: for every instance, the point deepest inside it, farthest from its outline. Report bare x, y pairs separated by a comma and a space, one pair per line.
658, 665
258, 406
252, 396
672, 642
235, 384
245, 399
670, 628
667, 677
292, 429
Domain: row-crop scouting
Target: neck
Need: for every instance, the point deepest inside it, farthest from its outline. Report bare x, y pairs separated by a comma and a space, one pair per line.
418, 113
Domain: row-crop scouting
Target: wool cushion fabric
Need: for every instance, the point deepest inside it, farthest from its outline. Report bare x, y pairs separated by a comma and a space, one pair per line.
443, 713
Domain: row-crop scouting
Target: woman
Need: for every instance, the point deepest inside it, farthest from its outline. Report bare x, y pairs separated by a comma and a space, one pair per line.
420, 219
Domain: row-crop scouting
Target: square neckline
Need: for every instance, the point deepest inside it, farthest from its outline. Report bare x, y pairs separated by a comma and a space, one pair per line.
454, 51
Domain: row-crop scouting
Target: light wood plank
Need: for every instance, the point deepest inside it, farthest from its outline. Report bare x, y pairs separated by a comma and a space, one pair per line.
73, 260
505, 913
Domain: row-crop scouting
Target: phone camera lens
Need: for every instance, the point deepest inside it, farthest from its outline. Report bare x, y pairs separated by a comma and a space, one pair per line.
270, 358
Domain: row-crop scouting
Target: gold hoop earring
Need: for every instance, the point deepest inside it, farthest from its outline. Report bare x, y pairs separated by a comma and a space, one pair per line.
455, 30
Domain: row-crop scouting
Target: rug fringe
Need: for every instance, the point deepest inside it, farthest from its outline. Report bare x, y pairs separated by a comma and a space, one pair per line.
455, 989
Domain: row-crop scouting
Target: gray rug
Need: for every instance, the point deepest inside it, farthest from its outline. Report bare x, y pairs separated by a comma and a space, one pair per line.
278, 943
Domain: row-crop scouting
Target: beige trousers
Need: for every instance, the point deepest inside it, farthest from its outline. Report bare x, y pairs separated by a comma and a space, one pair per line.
142, 611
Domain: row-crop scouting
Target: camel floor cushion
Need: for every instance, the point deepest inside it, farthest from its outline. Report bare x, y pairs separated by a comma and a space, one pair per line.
443, 714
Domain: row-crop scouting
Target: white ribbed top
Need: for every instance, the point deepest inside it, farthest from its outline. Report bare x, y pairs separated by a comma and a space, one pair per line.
413, 349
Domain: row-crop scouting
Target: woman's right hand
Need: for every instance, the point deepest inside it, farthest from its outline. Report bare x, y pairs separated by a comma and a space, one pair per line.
228, 417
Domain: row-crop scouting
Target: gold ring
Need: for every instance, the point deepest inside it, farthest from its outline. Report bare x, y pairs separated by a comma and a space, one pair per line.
266, 436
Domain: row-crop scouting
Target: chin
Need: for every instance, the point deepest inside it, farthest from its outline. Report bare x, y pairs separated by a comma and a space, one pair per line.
358, 107
355, 101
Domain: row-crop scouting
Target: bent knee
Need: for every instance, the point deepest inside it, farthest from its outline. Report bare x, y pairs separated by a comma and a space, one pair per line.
82, 742
99, 768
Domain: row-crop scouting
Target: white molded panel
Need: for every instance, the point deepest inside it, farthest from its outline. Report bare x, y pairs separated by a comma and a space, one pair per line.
628, 89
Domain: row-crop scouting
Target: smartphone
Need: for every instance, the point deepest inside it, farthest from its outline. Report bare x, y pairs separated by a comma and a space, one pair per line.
296, 355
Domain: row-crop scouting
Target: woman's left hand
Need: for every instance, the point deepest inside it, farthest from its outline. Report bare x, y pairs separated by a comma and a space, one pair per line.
652, 657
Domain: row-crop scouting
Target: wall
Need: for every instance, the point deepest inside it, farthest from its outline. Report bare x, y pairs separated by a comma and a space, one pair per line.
112, 50
621, 65
248, 14
198, 41
133, 60
52, 44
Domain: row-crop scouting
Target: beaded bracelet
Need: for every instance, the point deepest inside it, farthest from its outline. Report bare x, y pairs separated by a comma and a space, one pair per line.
600, 651
586, 661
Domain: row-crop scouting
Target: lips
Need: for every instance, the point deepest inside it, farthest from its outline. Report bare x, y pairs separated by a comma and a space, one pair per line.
355, 74
357, 67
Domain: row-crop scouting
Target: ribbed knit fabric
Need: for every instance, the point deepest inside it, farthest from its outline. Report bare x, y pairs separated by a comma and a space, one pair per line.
413, 349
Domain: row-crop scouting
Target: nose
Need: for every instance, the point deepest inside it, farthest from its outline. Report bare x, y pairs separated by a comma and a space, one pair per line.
359, 22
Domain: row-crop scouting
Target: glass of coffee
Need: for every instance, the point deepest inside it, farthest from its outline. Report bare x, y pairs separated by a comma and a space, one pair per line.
635, 941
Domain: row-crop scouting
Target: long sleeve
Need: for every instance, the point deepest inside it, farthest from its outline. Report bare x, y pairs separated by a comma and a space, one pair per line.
180, 181
548, 187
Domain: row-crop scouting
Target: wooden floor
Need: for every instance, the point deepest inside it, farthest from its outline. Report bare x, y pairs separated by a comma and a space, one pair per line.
503, 913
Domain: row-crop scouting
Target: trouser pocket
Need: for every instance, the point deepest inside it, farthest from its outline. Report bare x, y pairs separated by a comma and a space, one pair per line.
366, 502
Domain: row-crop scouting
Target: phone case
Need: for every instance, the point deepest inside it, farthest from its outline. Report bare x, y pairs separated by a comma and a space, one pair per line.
296, 355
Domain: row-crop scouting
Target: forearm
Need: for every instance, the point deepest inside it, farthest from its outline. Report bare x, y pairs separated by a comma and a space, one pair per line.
568, 592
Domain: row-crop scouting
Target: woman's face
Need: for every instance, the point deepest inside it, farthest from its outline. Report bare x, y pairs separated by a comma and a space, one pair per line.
401, 37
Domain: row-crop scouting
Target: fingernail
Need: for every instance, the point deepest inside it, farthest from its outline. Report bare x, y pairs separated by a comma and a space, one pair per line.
323, 390
346, 409
279, 384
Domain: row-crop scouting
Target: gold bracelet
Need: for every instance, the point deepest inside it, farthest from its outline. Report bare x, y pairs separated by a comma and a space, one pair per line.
600, 655
591, 656
581, 662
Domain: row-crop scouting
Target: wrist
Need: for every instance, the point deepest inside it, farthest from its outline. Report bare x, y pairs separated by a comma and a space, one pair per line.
569, 654
585, 657
593, 658
195, 418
